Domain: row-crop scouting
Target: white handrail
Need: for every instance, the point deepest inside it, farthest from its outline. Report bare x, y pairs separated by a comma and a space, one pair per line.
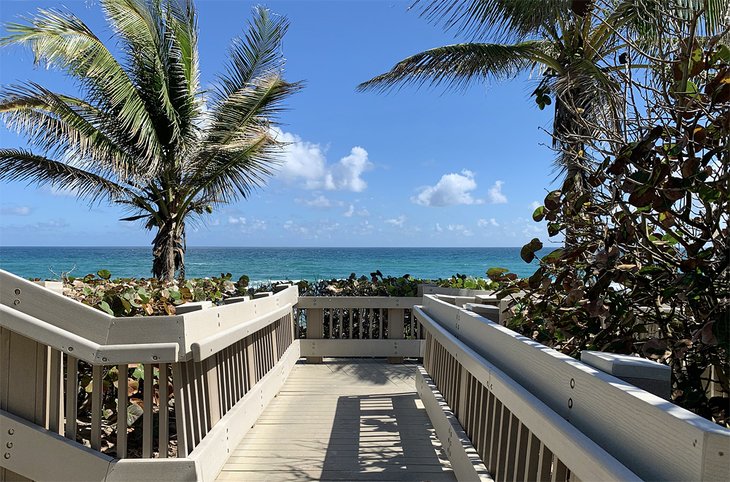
82, 348
204, 348
587, 460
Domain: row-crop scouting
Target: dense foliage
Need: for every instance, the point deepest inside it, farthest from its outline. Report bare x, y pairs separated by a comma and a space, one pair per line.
150, 296
647, 269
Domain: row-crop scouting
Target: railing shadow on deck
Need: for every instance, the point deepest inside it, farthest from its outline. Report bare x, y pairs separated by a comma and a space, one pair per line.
373, 370
382, 437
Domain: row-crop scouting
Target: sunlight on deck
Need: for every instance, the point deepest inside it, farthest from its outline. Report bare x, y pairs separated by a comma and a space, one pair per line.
342, 420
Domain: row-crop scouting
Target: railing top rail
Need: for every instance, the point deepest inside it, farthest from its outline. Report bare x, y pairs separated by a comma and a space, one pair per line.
654, 438
96, 337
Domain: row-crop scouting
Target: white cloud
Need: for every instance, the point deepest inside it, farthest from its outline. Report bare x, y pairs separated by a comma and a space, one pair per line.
318, 202
534, 205
438, 228
257, 225
15, 210
450, 190
306, 161
351, 211
240, 220
460, 228
398, 222
483, 223
293, 227
495, 193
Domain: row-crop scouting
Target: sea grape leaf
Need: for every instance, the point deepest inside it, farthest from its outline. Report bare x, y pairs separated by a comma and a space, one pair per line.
527, 253
539, 214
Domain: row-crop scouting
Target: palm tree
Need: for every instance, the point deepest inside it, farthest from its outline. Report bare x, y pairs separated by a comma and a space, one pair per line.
143, 133
574, 45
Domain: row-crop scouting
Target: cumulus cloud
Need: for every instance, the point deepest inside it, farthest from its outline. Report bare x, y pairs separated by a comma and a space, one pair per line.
534, 205
15, 210
438, 228
304, 161
240, 220
483, 223
398, 222
495, 193
451, 189
317, 202
351, 211
460, 228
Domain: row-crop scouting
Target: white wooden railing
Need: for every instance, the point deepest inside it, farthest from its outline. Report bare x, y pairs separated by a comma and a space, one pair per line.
531, 413
203, 373
378, 326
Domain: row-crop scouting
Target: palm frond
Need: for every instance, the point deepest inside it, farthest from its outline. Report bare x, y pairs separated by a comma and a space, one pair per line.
238, 169
503, 20
455, 66
254, 106
61, 40
257, 54
22, 165
65, 126
142, 26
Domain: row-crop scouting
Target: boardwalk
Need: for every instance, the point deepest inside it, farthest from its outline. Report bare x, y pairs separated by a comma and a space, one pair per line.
342, 420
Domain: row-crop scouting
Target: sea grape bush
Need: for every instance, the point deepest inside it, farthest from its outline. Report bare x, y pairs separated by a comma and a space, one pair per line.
149, 296
646, 269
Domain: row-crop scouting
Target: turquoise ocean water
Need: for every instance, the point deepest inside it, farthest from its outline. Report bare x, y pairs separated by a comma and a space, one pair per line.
263, 264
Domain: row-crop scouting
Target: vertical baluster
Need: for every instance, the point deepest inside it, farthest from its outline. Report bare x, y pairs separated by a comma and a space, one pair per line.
222, 380
148, 412
523, 437
366, 322
514, 425
55, 391
251, 360
380, 324
560, 471
544, 463
532, 458
495, 435
236, 373
72, 395
181, 424
122, 393
164, 418
97, 392
201, 393
191, 398
334, 323
350, 335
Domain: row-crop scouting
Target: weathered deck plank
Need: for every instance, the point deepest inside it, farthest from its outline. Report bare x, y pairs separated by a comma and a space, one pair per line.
342, 420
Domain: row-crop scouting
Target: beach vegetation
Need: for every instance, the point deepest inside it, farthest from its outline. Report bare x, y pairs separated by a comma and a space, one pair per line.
648, 272
142, 132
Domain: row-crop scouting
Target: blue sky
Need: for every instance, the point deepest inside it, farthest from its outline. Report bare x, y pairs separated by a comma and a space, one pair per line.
417, 167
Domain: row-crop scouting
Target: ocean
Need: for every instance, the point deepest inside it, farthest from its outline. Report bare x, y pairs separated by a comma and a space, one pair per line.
265, 264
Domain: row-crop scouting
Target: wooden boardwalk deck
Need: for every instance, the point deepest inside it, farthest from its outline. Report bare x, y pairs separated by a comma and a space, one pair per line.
342, 420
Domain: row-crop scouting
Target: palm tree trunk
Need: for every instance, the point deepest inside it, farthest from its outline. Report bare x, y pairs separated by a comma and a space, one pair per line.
168, 250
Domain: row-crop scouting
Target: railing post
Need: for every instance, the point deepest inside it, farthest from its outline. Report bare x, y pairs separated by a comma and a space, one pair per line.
315, 329
396, 317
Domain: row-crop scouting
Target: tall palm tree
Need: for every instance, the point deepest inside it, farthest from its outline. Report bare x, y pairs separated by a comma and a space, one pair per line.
143, 133
574, 46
